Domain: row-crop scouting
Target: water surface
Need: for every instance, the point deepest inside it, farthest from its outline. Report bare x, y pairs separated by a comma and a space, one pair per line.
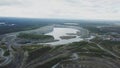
57, 32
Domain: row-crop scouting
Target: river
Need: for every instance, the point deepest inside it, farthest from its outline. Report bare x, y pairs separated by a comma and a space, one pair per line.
58, 32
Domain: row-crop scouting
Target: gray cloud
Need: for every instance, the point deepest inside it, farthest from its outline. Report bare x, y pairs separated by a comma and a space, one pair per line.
9, 2
93, 9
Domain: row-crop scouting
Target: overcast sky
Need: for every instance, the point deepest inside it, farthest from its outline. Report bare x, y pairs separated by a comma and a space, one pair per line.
70, 9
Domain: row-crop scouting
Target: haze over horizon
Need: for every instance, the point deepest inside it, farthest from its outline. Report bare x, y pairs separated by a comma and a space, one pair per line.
68, 9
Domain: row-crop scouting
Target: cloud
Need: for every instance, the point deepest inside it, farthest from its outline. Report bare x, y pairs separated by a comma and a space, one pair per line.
75, 9
9, 2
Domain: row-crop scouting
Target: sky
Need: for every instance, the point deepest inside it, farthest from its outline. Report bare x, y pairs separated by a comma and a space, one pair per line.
66, 9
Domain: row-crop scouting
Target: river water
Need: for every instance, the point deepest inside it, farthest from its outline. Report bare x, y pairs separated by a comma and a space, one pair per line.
57, 32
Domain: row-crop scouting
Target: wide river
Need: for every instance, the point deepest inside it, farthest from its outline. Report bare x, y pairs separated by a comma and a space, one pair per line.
57, 32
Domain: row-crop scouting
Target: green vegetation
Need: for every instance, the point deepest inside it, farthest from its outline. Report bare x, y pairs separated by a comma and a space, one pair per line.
7, 53
53, 62
36, 53
3, 47
112, 46
31, 48
105, 42
33, 36
56, 48
40, 52
85, 47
